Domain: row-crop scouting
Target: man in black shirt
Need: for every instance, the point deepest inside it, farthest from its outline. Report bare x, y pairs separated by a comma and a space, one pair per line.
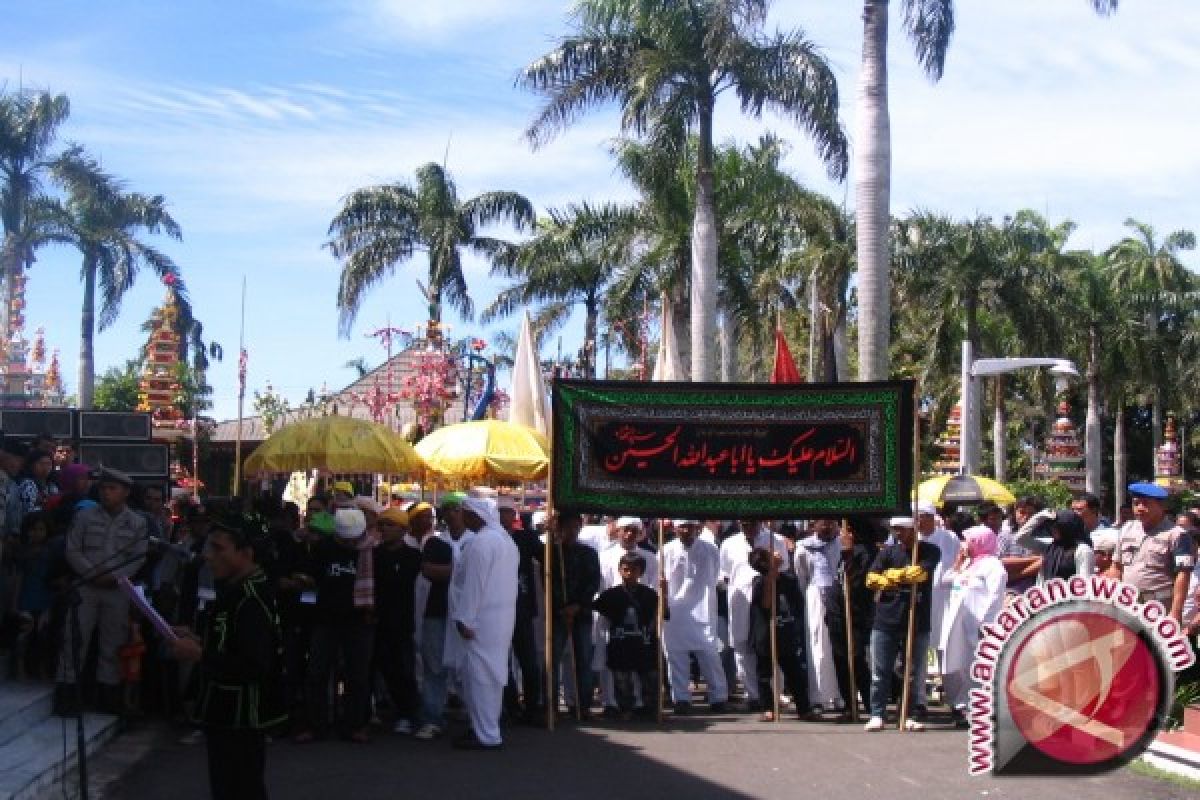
523, 642
858, 552
575, 577
397, 565
239, 663
341, 628
892, 577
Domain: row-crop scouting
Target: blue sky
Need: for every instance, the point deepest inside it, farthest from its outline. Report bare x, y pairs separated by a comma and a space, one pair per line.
255, 119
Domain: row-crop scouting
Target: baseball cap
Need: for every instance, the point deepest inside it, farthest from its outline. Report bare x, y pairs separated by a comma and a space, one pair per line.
321, 522
344, 486
396, 516
453, 499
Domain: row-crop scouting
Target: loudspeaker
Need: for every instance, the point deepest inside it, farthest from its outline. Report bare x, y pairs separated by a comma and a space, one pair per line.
29, 422
119, 425
148, 460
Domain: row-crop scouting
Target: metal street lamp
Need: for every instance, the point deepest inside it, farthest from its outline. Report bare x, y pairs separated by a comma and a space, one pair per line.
973, 369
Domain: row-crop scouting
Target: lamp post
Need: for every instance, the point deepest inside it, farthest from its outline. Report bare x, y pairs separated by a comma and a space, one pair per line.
972, 370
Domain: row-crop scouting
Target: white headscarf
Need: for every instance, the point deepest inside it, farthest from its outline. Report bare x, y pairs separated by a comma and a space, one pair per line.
485, 509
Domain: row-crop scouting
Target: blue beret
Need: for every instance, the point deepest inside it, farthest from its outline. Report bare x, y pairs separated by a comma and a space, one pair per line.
1150, 490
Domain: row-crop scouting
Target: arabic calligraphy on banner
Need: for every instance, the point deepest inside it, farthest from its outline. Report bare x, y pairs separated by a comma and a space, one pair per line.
767, 452
732, 450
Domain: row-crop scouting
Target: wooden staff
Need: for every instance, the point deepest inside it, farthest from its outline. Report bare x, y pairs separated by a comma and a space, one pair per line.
662, 605
548, 593
548, 617
912, 601
773, 588
852, 700
562, 574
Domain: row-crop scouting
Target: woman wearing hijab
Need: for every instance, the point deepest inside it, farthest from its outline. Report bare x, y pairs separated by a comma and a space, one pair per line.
976, 581
1068, 552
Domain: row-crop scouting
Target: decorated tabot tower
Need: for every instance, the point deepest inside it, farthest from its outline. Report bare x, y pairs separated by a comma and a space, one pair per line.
159, 388
1168, 459
1064, 455
949, 444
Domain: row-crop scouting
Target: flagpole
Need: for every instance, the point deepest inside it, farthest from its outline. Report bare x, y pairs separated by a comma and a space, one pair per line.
773, 588
237, 443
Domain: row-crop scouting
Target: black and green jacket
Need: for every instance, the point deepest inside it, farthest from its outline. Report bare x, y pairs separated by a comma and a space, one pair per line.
240, 671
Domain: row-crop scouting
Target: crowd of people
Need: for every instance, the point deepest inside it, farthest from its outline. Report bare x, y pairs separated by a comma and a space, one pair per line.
357, 611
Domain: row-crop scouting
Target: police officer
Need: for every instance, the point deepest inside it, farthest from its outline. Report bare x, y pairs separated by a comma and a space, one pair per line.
1154, 554
240, 661
105, 542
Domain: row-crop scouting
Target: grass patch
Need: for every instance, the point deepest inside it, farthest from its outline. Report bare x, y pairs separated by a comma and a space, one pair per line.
1150, 771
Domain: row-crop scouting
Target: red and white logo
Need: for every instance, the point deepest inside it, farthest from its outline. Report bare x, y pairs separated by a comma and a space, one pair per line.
1075, 677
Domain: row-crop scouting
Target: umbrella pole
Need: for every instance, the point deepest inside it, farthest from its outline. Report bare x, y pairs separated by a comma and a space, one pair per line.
905, 698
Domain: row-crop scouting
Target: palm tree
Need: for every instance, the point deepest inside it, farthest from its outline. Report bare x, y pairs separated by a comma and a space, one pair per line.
930, 25
103, 222
665, 63
380, 227
570, 260
29, 126
1160, 289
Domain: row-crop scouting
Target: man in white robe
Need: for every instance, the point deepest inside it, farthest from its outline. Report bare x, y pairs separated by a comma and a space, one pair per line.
629, 538
738, 577
948, 544
818, 557
690, 566
482, 611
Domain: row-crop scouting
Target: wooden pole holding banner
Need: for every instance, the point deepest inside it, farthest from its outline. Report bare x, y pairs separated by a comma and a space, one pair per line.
773, 588
662, 605
852, 700
905, 698
547, 594
237, 442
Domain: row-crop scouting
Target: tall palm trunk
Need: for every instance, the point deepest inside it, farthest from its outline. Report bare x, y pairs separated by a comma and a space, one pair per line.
872, 194
704, 255
841, 349
729, 353
1156, 420
1093, 432
87, 334
1119, 460
591, 321
681, 319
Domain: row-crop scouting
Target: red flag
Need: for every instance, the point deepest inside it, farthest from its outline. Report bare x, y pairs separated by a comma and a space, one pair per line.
784, 370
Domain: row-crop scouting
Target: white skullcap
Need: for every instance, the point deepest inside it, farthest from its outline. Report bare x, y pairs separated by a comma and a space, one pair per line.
678, 523
349, 523
539, 517
482, 491
629, 522
1104, 539
506, 501
926, 507
900, 522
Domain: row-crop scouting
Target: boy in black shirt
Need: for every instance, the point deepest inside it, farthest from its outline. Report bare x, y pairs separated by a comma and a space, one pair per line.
789, 641
893, 577
631, 610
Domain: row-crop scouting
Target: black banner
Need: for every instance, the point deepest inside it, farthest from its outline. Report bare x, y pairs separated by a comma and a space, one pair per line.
732, 450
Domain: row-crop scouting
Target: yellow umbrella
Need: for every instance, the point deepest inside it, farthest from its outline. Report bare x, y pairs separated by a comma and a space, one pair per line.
486, 449
964, 490
334, 444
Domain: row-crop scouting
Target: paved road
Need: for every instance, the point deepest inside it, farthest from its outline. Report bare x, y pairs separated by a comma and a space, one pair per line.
732, 756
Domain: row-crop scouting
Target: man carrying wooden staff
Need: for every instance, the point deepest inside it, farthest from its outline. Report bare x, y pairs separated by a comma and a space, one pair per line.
849, 620
899, 575
575, 581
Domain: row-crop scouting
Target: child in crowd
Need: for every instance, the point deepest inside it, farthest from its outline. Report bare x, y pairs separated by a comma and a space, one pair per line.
630, 612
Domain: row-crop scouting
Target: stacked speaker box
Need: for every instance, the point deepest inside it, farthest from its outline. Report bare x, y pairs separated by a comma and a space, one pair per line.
114, 439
